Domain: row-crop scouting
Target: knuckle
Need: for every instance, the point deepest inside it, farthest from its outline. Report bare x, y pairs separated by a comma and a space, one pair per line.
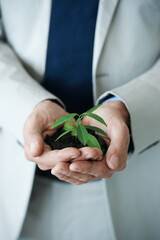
84, 179
51, 164
78, 183
91, 178
98, 175
48, 160
61, 177
123, 167
60, 168
27, 154
55, 172
42, 167
91, 151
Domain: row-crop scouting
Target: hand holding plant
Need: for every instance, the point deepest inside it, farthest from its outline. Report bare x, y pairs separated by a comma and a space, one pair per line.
116, 116
59, 162
80, 131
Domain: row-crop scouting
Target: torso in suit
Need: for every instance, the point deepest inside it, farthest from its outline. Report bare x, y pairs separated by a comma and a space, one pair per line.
125, 63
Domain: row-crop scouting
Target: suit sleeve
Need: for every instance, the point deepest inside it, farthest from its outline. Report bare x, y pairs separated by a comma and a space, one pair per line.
19, 92
142, 99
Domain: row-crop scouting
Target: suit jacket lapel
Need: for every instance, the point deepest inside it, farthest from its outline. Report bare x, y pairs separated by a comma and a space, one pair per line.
105, 14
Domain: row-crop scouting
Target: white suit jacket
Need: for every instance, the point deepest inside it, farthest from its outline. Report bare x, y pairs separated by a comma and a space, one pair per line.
125, 63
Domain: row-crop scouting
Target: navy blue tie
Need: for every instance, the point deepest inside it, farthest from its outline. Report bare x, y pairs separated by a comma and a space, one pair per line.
68, 72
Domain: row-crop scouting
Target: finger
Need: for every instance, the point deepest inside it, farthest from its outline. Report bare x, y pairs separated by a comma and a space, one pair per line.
88, 153
32, 135
29, 156
98, 169
35, 143
48, 159
116, 155
63, 168
123, 166
68, 179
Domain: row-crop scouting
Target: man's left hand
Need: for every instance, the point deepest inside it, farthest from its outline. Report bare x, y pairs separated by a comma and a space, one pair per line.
83, 169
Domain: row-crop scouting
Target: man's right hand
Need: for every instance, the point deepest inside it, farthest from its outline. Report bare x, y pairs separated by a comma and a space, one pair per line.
36, 127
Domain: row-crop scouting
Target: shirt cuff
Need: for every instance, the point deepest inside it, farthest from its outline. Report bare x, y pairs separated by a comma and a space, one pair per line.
112, 98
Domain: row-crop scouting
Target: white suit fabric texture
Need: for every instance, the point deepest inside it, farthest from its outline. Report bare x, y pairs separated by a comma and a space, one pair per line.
125, 63
64, 211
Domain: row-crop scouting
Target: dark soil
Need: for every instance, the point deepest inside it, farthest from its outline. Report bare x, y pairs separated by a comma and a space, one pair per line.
70, 141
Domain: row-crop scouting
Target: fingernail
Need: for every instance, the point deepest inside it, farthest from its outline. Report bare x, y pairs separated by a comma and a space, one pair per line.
73, 168
114, 161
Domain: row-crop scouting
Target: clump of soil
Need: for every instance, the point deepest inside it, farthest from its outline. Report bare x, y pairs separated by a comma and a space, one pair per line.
71, 141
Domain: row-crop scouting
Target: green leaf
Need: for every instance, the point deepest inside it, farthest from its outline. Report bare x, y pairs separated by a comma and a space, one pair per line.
96, 117
71, 120
74, 131
78, 121
93, 142
66, 118
82, 134
96, 129
64, 133
93, 108
67, 126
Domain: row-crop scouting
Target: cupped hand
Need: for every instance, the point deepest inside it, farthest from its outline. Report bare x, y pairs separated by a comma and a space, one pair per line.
116, 116
36, 127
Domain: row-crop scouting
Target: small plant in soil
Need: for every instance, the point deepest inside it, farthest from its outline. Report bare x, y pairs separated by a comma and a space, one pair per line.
78, 135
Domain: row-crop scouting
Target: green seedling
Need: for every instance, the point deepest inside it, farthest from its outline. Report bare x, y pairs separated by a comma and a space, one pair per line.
80, 131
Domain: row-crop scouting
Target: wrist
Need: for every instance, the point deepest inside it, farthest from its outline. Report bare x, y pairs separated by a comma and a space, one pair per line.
54, 102
120, 107
51, 103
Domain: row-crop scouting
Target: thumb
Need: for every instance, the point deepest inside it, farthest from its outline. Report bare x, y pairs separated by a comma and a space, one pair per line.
36, 144
116, 156
33, 139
